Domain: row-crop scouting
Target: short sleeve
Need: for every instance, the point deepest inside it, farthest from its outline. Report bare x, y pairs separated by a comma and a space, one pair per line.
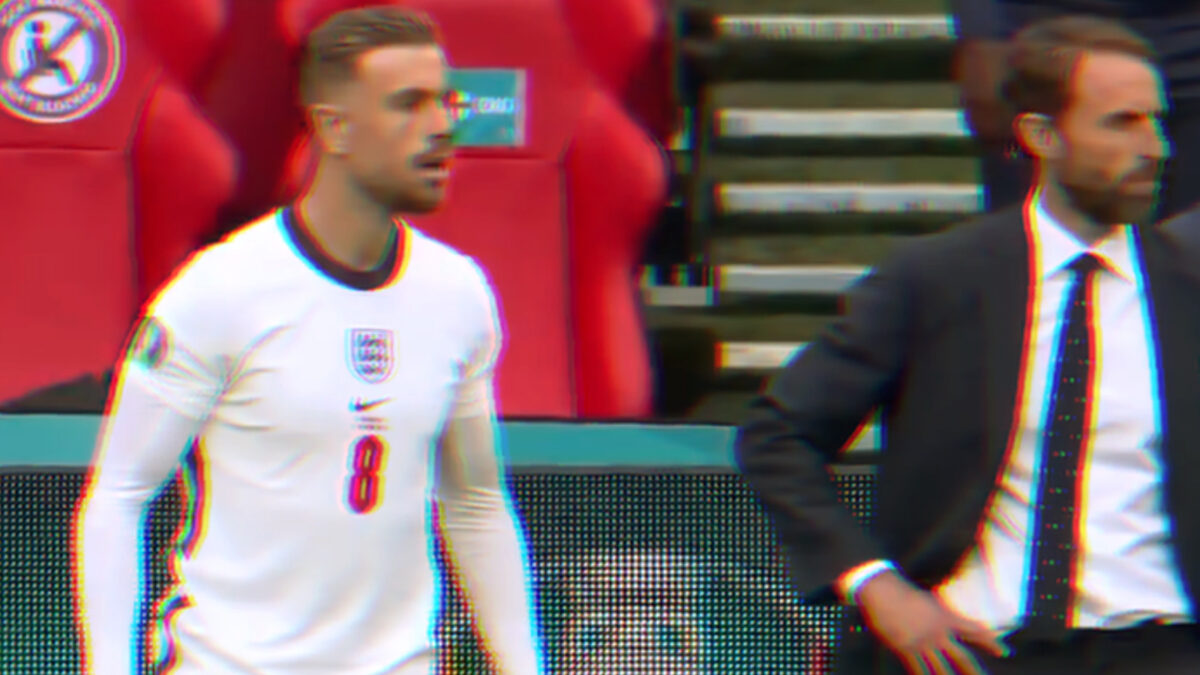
475, 391
176, 353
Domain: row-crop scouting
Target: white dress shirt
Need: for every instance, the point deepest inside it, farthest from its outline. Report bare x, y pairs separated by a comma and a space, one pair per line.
1125, 570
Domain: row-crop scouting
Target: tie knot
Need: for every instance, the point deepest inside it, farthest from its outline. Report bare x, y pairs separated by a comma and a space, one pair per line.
1085, 265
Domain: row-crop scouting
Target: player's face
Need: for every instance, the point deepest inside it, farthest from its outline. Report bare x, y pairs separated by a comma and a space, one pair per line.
399, 142
1113, 144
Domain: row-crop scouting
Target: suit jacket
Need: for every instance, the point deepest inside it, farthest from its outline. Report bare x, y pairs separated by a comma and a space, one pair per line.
935, 337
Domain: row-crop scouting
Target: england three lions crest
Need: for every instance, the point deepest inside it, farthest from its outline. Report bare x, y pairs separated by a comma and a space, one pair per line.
370, 353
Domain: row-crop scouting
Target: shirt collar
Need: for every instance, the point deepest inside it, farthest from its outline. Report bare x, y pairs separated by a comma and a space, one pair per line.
1058, 247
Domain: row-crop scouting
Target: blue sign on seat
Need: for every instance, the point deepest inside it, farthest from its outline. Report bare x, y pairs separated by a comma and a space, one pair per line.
488, 105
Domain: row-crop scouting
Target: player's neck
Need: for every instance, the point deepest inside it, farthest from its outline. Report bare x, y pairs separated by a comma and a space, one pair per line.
349, 227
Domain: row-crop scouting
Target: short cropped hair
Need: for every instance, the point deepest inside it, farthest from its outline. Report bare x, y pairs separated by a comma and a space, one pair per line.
1043, 57
332, 50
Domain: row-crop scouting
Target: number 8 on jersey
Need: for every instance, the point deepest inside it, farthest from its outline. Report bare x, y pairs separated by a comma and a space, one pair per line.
365, 483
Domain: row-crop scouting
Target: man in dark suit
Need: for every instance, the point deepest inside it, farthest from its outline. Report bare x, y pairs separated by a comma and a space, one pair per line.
1038, 376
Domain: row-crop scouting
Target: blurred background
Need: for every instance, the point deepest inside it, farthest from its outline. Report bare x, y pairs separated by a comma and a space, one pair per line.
668, 194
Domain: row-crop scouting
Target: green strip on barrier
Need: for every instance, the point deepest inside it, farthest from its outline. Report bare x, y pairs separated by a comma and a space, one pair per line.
68, 440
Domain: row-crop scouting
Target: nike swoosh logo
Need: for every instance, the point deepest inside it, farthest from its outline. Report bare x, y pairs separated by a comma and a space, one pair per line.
361, 405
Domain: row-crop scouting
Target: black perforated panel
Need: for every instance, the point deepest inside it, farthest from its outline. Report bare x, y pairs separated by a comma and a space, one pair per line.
636, 573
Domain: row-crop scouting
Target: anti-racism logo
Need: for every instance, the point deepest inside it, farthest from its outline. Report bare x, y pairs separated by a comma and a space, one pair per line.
59, 59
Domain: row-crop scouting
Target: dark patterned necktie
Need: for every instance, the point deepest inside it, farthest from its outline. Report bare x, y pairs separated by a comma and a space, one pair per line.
1054, 544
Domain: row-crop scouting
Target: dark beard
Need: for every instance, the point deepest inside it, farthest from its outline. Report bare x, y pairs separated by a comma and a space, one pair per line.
1110, 206
398, 201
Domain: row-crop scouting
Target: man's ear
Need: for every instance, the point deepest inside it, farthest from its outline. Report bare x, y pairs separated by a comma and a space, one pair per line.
1037, 134
330, 127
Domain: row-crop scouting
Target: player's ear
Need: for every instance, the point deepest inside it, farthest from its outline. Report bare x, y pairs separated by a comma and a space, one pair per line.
1037, 133
330, 127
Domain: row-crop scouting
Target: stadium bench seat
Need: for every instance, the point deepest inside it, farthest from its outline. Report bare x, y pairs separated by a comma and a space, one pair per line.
104, 196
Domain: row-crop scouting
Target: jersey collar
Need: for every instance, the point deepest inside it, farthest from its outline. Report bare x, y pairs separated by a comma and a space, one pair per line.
362, 280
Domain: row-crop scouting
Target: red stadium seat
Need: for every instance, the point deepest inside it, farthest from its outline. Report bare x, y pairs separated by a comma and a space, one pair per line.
249, 94
627, 45
104, 192
186, 37
616, 182
249, 91
617, 178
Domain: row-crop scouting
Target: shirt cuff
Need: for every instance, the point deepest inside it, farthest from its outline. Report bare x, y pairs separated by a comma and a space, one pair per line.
850, 583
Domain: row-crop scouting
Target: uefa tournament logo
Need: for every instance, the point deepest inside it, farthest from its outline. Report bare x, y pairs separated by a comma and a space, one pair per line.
59, 59
487, 106
370, 354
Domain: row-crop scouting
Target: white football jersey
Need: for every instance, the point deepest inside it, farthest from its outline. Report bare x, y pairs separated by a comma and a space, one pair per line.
307, 547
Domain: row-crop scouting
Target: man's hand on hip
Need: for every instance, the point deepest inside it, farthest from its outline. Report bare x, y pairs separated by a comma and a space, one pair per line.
928, 637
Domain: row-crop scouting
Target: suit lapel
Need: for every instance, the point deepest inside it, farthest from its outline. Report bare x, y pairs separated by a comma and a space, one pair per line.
1174, 304
1004, 296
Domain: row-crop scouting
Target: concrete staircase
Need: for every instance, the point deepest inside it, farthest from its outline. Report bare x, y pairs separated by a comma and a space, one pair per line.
821, 133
